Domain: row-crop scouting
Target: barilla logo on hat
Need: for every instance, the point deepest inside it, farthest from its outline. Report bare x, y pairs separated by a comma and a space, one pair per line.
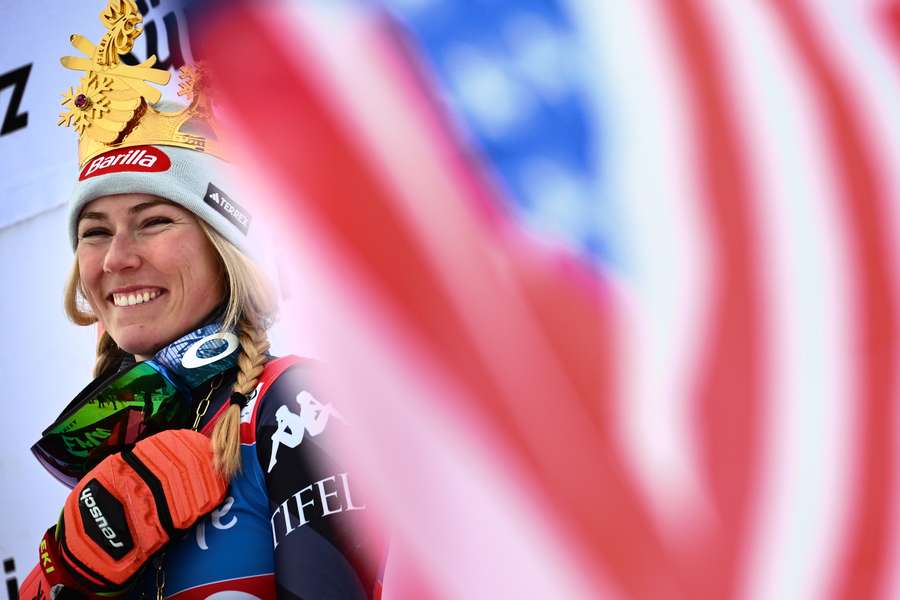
140, 159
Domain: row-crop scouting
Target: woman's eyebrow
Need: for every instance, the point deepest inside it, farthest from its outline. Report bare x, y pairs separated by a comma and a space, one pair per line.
101, 216
97, 216
145, 205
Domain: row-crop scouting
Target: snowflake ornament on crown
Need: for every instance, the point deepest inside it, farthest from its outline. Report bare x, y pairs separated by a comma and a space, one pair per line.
112, 107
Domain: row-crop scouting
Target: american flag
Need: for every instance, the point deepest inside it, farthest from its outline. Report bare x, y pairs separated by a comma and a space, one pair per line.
611, 284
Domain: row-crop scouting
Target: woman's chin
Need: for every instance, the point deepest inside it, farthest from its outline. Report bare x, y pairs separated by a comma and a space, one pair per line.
138, 343
141, 353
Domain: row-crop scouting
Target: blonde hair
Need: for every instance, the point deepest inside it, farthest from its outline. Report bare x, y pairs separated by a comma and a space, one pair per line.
249, 312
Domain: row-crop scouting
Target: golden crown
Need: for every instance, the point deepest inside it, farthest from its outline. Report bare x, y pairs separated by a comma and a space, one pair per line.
112, 106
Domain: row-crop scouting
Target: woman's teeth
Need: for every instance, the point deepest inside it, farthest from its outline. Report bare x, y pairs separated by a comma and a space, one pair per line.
134, 298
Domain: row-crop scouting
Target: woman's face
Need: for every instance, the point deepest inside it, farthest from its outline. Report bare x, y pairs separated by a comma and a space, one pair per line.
148, 271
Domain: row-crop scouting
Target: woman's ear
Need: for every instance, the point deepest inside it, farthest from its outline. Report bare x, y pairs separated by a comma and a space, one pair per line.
74, 301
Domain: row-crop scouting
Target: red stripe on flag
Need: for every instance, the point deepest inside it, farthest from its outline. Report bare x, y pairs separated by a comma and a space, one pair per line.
863, 200
890, 18
731, 378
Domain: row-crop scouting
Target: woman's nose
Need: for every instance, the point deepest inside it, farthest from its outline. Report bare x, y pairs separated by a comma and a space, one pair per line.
121, 254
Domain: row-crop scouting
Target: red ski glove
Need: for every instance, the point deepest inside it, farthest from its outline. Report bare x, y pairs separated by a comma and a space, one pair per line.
127, 508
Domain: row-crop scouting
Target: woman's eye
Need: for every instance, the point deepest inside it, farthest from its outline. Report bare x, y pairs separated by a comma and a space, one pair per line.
155, 221
94, 232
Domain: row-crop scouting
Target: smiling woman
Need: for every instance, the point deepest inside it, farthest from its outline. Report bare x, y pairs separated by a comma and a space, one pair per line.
147, 270
164, 440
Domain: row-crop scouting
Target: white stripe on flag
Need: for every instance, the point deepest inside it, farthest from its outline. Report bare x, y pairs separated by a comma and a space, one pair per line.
640, 102
870, 60
804, 264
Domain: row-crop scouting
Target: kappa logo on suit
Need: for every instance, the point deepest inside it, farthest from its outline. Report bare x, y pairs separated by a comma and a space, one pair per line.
312, 419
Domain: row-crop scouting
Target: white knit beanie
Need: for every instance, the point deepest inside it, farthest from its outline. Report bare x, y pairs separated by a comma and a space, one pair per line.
197, 181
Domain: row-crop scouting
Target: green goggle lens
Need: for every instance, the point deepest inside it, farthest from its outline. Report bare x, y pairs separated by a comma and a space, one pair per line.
109, 416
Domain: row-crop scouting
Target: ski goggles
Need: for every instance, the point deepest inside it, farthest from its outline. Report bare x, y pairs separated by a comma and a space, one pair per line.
110, 415
113, 413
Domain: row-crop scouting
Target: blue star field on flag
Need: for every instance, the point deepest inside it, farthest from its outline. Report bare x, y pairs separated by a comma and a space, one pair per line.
511, 74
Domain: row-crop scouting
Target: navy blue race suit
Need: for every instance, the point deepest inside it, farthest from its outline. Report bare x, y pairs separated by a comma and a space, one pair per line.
293, 522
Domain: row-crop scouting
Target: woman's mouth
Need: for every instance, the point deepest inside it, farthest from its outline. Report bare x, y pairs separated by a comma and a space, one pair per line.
138, 296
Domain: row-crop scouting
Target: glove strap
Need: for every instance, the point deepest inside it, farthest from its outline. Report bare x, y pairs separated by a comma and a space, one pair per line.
60, 583
63, 579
